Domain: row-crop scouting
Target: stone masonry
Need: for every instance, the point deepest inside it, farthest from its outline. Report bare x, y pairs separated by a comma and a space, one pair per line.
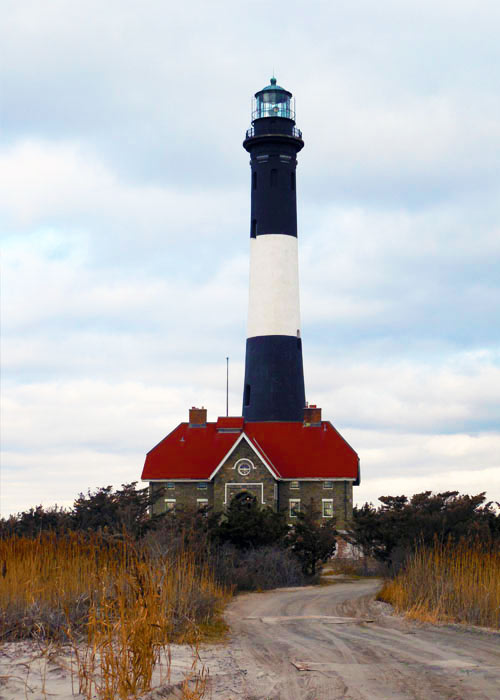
261, 478
260, 483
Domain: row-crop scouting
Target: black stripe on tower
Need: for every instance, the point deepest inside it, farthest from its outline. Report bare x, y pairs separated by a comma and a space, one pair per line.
274, 379
273, 145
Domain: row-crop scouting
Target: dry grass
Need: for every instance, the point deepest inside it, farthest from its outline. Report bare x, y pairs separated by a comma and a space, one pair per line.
117, 606
450, 582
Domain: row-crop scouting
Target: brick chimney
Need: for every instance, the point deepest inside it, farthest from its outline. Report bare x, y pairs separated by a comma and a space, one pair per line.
197, 417
312, 415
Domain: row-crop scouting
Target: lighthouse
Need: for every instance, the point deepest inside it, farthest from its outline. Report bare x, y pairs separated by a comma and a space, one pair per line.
279, 452
274, 375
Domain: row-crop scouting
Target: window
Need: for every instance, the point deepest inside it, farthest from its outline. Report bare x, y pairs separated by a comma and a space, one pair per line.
202, 485
328, 484
328, 507
294, 507
202, 503
170, 485
169, 505
274, 177
246, 398
253, 232
244, 467
294, 485
254, 179
292, 181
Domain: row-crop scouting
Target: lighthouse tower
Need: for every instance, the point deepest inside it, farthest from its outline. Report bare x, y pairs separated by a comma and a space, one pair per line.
274, 375
279, 452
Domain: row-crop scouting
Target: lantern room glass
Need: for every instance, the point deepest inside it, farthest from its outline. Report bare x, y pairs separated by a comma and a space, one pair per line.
273, 101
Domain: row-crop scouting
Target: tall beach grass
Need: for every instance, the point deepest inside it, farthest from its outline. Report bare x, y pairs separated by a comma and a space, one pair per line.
454, 582
114, 603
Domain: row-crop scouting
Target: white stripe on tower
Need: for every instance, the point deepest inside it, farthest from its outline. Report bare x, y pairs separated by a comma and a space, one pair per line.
274, 307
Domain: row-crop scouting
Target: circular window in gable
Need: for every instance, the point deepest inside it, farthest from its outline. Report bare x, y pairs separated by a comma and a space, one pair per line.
244, 467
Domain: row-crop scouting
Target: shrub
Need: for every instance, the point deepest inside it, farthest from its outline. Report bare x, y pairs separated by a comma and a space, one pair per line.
123, 510
313, 542
257, 569
391, 532
246, 525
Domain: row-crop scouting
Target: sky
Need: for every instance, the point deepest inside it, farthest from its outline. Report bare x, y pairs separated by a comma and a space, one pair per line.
125, 213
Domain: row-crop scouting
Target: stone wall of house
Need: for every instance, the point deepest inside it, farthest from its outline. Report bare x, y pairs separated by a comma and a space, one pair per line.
228, 474
341, 494
186, 495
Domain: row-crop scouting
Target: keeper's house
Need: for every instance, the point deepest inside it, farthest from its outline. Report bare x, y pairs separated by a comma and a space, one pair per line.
282, 464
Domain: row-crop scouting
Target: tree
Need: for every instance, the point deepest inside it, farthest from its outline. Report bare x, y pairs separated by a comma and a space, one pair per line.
245, 524
32, 522
312, 539
126, 509
391, 532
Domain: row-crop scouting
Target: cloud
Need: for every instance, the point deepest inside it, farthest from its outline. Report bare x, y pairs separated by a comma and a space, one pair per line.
458, 394
124, 206
60, 186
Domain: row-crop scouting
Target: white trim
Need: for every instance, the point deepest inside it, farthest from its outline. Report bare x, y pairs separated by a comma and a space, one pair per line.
246, 461
228, 454
317, 478
170, 500
290, 501
234, 483
175, 481
274, 473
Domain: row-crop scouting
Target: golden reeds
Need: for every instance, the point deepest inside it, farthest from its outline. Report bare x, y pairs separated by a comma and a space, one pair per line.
117, 606
454, 582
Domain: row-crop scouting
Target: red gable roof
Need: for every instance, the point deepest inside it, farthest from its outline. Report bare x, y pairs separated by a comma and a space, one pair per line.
188, 453
299, 452
291, 450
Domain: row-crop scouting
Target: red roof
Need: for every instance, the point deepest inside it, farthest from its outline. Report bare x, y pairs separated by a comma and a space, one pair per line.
291, 450
299, 452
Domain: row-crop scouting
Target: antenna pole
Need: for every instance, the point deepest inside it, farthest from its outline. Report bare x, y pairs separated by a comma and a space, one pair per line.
227, 386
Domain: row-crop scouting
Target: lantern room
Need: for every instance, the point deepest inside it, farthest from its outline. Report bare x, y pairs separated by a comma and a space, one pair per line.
273, 101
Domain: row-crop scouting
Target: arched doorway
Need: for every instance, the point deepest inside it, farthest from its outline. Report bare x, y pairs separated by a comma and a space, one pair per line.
244, 499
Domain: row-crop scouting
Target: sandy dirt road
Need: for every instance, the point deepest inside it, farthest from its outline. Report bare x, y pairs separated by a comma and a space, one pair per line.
316, 643
299, 644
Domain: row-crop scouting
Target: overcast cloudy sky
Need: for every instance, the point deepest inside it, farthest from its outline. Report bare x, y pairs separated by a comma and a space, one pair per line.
124, 212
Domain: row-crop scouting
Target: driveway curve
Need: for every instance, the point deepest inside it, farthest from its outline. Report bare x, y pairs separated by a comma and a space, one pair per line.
335, 641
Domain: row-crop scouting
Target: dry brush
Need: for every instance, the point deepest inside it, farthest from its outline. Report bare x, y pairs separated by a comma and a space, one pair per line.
115, 604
